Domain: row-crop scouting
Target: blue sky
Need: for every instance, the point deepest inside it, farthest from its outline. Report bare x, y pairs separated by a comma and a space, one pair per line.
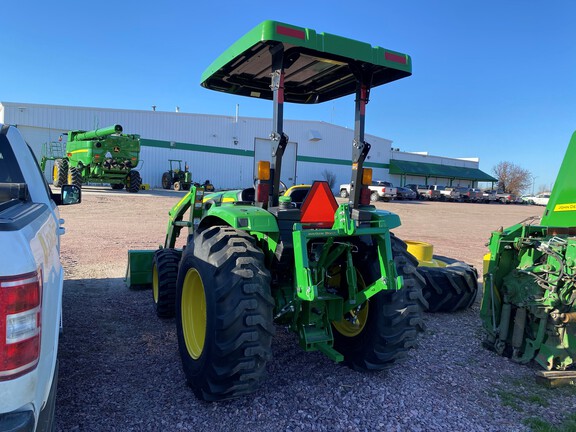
493, 79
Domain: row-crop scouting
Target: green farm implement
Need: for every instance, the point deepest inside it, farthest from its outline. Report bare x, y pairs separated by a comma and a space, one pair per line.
176, 176
333, 274
98, 156
528, 308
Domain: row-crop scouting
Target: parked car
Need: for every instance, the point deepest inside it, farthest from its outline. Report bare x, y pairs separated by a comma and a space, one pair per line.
539, 199
379, 189
405, 193
31, 283
425, 191
489, 196
469, 194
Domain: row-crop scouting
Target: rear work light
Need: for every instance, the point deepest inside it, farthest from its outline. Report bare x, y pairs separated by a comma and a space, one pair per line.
20, 324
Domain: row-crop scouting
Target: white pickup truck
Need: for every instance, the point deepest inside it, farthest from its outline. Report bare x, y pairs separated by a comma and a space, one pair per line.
31, 280
379, 190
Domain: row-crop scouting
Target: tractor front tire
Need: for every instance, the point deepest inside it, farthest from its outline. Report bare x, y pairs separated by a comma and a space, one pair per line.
164, 276
60, 172
451, 288
166, 180
343, 193
75, 176
224, 314
134, 181
389, 321
177, 185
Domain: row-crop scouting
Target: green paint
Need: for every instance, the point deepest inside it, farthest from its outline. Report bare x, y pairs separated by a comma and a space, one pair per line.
436, 170
195, 147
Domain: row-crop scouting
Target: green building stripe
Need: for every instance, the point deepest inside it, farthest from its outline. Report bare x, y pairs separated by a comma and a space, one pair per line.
248, 153
195, 147
331, 161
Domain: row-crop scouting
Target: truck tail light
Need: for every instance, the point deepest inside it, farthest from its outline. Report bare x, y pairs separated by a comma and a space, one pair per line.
383, 190
20, 324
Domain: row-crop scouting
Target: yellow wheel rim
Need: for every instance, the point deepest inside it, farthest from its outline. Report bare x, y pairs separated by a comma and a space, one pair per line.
69, 178
155, 283
193, 311
354, 321
55, 173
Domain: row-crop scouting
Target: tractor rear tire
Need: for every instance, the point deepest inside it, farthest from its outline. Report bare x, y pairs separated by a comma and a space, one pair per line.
393, 318
134, 181
60, 172
164, 276
224, 314
166, 180
75, 176
451, 288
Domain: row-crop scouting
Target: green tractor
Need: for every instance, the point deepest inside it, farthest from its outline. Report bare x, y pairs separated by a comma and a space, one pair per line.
333, 274
529, 302
175, 176
99, 156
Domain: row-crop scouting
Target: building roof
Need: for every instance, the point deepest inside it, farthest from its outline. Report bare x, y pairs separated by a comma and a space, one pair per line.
436, 170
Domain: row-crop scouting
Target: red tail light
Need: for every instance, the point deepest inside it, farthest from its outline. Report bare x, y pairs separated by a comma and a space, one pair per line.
20, 324
383, 190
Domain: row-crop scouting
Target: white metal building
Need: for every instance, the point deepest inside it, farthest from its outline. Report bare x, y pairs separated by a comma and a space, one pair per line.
222, 149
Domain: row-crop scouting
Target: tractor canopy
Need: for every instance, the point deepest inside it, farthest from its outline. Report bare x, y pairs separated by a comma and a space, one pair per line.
319, 66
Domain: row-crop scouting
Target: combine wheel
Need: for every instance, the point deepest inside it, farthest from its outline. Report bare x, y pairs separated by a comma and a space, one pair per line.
164, 275
343, 193
166, 180
224, 314
74, 176
382, 331
134, 181
60, 172
450, 288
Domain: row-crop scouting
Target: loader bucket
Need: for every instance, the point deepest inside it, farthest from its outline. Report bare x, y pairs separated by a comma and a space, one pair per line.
139, 270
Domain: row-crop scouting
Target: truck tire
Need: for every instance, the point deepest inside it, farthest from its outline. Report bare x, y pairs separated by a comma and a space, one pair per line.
164, 276
451, 288
134, 181
166, 180
389, 322
60, 172
343, 193
75, 176
224, 314
374, 197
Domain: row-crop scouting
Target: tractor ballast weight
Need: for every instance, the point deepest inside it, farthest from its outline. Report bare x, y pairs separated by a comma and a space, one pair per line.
334, 274
528, 307
103, 155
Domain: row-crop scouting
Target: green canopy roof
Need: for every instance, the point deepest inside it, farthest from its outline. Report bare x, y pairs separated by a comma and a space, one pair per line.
436, 170
319, 66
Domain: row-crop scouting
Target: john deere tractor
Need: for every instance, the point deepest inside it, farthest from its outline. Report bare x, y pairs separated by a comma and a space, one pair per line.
529, 303
176, 176
99, 156
334, 274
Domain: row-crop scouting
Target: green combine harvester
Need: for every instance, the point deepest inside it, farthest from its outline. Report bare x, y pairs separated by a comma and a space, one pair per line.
99, 156
528, 308
334, 274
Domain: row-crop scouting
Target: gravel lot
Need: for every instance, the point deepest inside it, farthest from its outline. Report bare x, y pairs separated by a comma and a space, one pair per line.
120, 369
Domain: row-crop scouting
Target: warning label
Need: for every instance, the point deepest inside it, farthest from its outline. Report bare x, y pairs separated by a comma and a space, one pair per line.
565, 207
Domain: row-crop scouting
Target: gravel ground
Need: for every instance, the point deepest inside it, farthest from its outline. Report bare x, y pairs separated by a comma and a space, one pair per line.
120, 369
